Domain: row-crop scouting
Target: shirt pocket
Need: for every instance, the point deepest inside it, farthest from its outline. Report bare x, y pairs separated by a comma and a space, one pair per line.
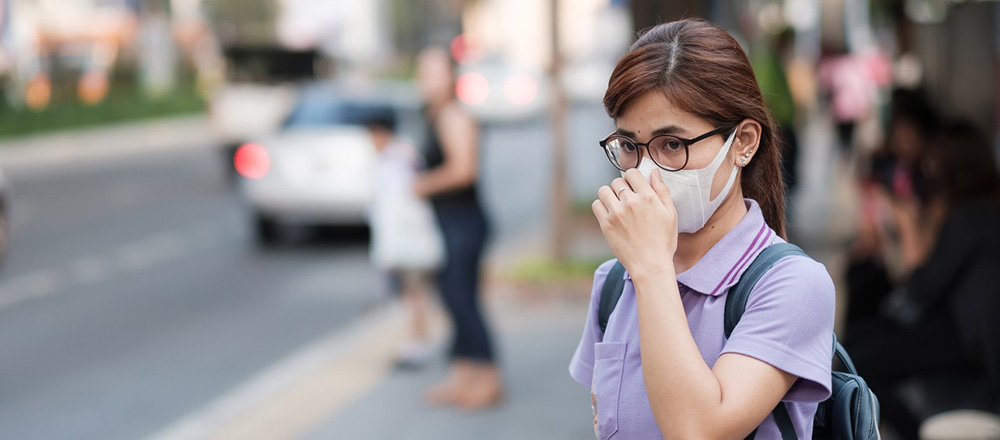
609, 360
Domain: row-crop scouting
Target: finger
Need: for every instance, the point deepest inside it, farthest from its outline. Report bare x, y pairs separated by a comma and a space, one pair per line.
600, 211
620, 186
619, 183
607, 196
660, 188
637, 181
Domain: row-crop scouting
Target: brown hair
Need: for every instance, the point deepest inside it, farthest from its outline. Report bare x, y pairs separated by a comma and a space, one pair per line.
963, 164
703, 70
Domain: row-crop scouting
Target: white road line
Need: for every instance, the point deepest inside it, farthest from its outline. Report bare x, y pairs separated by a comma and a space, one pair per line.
138, 255
24, 287
152, 250
206, 420
206, 234
89, 270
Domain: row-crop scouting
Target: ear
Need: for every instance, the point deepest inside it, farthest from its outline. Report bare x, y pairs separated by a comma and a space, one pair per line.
747, 140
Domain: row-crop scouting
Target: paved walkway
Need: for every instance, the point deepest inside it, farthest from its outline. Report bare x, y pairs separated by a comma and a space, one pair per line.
542, 401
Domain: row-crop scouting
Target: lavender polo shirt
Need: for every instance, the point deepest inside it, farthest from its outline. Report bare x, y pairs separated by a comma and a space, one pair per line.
788, 323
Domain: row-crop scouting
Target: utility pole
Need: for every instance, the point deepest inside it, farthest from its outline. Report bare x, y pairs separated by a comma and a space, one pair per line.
561, 233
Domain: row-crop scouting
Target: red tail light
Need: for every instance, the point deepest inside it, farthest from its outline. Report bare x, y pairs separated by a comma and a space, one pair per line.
472, 88
252, 161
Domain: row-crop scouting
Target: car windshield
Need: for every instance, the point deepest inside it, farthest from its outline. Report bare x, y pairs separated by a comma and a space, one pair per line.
321, 111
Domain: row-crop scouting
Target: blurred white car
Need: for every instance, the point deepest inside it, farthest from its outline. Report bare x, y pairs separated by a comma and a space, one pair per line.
316, 169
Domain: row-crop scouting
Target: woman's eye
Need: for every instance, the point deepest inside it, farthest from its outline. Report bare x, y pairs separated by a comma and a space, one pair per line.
673, 145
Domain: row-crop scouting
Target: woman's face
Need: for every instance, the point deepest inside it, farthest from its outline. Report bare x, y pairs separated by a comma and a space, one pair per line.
653, 114
434, 76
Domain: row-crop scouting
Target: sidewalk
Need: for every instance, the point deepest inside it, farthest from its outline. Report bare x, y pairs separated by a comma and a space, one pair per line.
542, 401
345, 386
74, 147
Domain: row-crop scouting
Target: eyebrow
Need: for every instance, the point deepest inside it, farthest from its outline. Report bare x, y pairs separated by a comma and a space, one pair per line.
670, 129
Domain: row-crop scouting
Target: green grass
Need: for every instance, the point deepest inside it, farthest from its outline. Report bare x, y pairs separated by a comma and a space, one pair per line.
123, 103
547, 270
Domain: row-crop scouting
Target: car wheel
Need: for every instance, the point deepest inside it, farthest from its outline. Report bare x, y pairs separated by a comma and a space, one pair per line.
265, 229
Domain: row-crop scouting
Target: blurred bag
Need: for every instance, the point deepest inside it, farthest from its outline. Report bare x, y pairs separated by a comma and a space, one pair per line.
405, 233
851, 412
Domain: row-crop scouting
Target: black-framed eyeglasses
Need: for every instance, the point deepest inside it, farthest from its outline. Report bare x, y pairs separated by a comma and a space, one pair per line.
667, 151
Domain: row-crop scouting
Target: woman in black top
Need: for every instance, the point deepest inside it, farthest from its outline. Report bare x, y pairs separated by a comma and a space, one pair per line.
450, 184
941, 321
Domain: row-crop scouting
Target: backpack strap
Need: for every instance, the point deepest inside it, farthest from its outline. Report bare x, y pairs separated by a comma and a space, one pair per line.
611, 291
736, 299
736, 304
841, 353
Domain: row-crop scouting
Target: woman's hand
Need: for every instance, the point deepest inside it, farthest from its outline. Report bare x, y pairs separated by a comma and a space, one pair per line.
638, 220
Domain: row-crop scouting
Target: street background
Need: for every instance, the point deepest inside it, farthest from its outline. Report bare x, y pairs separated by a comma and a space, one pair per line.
139, 300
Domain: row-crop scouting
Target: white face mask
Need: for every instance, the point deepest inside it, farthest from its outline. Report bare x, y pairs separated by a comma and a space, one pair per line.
691, 190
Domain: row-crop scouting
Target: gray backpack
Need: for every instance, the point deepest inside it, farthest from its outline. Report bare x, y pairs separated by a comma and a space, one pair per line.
851, 412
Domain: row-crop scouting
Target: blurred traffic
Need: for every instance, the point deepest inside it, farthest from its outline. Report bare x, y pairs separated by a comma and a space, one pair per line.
187, 187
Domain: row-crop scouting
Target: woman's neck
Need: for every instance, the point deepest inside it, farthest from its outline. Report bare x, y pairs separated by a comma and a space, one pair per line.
692, 247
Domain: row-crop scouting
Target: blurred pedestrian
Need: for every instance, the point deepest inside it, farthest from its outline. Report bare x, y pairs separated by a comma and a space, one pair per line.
406, 243
700, 197
897, 173
452, 155
851, 82
941, 320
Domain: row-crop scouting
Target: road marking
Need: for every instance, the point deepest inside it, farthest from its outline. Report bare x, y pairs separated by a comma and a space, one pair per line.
300, 392
206, 234
24, 287
89, 270
157, 248
152, 250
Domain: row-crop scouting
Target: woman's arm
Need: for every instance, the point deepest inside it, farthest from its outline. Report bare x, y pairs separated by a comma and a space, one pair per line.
459, 137
688, 399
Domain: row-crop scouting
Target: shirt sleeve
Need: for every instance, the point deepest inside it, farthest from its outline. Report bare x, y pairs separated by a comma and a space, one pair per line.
581, 367
788, 323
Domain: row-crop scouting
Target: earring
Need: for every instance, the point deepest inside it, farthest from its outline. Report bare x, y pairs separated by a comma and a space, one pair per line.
743, 160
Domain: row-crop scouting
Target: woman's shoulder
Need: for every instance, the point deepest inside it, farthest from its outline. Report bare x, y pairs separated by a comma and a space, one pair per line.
798, 279
601, 276
453, 113
602, 271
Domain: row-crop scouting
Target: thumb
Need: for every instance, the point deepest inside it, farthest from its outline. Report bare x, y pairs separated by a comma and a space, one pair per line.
660, 188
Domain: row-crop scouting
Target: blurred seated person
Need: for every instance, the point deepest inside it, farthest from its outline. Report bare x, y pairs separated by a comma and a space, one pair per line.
897, 174
941, 320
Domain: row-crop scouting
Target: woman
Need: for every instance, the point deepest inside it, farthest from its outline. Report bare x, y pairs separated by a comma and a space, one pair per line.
450, 183
939, 325
700, 197
897, 175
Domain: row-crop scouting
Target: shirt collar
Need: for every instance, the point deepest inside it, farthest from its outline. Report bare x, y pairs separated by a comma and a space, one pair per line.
723, 265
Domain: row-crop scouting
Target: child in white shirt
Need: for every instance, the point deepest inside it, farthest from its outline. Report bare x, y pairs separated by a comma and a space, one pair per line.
405, 241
